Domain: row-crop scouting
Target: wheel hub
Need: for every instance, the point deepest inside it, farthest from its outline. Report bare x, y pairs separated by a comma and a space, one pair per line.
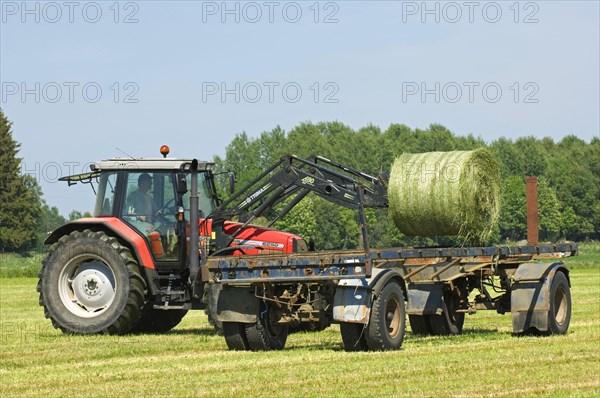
87, 288
392, 317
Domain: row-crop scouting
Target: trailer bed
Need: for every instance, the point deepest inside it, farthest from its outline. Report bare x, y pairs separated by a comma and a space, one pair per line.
415, 264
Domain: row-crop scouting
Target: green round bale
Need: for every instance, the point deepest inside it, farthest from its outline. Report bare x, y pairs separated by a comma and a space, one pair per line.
445, 193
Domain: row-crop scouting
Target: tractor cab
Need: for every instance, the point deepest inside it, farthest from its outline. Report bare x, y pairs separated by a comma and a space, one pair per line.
152, 197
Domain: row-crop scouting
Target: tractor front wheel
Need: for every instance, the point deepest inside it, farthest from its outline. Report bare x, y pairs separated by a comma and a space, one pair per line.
158, 321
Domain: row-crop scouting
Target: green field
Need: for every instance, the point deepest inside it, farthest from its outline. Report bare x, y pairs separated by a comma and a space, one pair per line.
36, 360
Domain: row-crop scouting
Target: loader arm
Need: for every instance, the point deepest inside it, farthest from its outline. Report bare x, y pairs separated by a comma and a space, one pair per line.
293, 178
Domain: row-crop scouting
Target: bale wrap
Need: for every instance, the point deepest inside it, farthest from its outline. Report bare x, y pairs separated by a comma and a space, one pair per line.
445, 193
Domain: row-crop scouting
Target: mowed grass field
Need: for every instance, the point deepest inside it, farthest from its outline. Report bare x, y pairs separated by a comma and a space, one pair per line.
38, 361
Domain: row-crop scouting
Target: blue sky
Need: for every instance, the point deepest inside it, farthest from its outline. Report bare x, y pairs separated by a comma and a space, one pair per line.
154, 72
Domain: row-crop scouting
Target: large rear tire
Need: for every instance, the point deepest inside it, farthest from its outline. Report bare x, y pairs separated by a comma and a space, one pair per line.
388, 321
90, 283
158, 321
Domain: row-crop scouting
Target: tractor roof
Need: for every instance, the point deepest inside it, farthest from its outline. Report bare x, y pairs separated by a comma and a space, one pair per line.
135, 165
148, 164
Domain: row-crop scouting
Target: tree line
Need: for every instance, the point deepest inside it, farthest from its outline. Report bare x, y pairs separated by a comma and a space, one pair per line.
25, 217
568, 171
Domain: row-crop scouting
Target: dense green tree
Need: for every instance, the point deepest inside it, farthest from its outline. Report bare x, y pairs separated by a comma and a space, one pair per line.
301, 220
569, 184
50, 219
570, 172
550, 220
513, 216
76, 214
20, 201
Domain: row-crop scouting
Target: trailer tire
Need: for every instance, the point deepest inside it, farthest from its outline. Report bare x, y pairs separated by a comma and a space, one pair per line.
158, 321
419, 324
353, 336
388, 320
235, 336
265, 334
449, 322
559, 315
89, 283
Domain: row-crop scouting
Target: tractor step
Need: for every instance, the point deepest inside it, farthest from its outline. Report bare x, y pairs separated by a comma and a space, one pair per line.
166, 292
170, 307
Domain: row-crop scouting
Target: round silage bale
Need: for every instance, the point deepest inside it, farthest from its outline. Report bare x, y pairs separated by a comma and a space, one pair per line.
445, 193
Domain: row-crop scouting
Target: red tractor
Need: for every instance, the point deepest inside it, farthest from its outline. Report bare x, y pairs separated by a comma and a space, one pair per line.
129, 268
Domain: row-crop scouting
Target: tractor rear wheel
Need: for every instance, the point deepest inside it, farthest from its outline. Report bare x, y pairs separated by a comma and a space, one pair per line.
158, 321
266, 334
89, 283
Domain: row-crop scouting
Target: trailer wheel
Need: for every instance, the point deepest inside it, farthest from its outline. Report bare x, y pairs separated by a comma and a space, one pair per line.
419, 324
559, 315
387, 324
235, 336
90, 283
266, 334
158, 321
450, 322
353, 336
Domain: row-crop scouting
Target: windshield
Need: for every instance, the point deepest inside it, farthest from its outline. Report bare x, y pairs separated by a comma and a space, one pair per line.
206, 200
159, 190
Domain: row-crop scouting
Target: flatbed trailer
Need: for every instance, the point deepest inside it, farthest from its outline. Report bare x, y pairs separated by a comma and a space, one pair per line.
369, 292
434, 286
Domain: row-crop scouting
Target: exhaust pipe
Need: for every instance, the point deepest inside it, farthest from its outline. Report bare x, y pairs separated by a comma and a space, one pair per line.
194, 247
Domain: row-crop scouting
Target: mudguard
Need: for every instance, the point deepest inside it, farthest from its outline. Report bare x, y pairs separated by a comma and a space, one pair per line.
114, 227
352, 301
353, 297
530, 295
237, 304
425, 299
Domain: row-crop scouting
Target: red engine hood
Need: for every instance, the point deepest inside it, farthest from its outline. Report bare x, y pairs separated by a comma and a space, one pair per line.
265, 239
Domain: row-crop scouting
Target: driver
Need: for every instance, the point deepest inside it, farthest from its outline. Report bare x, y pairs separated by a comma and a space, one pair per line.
140, 201
141, 204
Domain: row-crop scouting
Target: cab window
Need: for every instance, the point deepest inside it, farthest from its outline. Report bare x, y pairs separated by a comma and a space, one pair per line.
105, 199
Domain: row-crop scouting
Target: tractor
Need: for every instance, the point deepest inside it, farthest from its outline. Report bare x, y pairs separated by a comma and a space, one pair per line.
133, 266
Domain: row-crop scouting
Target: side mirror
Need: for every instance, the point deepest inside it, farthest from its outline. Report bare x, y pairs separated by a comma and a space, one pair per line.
181, 184
231, 182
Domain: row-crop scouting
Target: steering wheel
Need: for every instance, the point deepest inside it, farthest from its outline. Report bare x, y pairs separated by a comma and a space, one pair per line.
159, 214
